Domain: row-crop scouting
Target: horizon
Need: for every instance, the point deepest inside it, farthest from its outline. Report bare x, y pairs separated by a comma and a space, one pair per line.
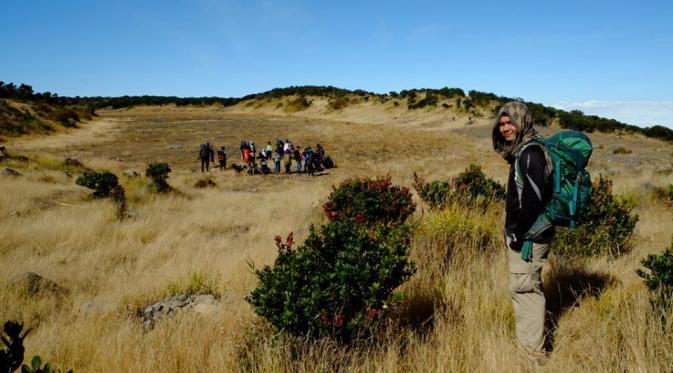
604, 58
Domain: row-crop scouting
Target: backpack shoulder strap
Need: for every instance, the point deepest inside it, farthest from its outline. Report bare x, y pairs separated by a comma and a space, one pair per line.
518, 177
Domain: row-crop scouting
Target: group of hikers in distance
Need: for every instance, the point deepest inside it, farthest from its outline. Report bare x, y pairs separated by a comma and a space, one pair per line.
306, 160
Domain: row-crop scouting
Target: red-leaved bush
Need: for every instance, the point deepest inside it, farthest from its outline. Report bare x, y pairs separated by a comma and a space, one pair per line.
368, 200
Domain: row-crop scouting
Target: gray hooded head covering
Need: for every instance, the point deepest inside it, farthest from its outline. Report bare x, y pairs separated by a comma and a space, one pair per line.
521, 118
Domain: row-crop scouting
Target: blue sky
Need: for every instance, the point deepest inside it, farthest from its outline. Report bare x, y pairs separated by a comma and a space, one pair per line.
613, 58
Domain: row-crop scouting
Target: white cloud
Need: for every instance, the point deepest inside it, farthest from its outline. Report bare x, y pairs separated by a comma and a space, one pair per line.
640, 113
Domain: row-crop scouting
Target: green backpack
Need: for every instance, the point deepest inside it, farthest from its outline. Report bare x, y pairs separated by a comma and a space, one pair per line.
569, 152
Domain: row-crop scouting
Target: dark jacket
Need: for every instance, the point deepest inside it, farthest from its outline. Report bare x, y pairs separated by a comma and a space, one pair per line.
527, 198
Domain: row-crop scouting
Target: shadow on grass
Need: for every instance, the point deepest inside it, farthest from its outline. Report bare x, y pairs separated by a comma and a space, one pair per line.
567, 283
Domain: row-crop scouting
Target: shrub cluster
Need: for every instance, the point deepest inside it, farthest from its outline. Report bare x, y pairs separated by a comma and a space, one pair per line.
659, 279
429, 100
664, 194
338, 282
470, 187
337, 103
158, 172
102, 182
298, 104
368, 200
605, 228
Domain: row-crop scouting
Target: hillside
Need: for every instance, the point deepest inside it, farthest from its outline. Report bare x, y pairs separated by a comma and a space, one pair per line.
24, 112
454, 314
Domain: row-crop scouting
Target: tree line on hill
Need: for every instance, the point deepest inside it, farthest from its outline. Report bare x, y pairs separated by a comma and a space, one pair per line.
415, 98
38, 112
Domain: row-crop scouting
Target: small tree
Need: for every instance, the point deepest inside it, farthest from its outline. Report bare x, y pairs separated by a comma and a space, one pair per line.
102, 182
337, 283
659, 279
158, 172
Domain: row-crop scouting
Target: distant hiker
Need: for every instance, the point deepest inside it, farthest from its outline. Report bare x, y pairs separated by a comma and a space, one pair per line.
309, 161
529, 188
288, 160
277, 156
264, 165
222, 158
320, 150
244, 145
268, 149
296, 154
205, 155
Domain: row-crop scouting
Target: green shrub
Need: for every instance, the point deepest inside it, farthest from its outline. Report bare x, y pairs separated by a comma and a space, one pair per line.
659, 279
102, 182
470, 187
158, 172
664, 195
606, 228
12, 355
337, 283
369, 200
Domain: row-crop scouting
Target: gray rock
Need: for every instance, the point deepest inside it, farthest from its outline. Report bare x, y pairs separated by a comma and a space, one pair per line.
204, 309
207, 299
133, 214
167, 308
33, 284
131, 173
647, 187
9, 172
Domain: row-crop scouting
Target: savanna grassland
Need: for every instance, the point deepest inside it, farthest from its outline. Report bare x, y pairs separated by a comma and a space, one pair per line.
453, 315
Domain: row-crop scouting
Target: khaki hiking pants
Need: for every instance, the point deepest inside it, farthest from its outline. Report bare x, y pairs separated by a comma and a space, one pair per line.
525, 285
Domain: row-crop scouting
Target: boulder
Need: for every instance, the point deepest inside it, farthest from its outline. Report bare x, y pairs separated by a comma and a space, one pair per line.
167, 308
204, 309
131, 174
33, 284
205, 299
9, 172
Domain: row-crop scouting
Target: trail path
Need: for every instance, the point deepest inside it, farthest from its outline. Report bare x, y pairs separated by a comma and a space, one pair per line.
93, 132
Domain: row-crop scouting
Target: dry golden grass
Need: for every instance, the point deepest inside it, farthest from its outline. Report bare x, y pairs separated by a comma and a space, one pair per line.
455, 314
